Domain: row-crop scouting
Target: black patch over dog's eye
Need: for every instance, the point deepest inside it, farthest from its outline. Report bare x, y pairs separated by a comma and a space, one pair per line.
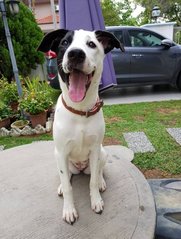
65, 43
91, 44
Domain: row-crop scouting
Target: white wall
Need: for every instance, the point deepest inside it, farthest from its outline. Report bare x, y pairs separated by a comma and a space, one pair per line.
165, 29
40, 72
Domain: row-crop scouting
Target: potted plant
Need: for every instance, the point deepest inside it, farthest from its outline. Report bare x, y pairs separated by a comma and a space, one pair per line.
5, 114
36, 101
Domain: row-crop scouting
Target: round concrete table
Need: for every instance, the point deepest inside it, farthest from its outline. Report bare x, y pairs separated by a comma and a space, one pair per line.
31, 208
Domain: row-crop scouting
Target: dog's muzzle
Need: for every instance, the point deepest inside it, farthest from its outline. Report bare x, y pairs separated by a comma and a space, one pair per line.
78, 81
76, 58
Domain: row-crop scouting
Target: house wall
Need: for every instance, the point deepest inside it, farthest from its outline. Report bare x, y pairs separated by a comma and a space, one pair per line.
42, 10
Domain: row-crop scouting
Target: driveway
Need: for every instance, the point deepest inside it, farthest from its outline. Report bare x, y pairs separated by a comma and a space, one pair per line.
139, 94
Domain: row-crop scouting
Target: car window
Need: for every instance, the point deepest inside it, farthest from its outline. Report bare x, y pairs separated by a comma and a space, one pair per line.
144, 39
119, 35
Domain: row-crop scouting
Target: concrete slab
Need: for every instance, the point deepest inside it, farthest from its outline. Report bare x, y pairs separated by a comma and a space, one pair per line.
175, 133
138, 142
30, 207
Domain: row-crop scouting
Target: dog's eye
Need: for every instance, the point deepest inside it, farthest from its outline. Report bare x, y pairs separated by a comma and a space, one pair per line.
65, 43
91, 44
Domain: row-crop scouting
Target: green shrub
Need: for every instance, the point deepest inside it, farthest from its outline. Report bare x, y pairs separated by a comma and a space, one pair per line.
5, 111
26, 36
8, 91
36, 97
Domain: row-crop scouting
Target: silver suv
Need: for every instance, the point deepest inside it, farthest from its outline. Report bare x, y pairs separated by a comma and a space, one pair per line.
149, 58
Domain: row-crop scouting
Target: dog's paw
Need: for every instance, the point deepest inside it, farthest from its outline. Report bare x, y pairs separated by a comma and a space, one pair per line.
102, 184
60, 191
70, 215
97, 204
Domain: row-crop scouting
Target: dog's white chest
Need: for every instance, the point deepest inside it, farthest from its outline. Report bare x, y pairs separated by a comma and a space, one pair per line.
81, 146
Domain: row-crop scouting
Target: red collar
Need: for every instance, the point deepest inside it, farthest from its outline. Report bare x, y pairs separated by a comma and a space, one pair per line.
88, 113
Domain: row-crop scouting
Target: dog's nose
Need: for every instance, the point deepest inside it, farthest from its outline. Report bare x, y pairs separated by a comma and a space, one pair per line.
77, 55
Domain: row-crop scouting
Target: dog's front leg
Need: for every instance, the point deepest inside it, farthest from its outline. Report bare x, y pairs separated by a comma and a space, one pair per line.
69, 212
97, 203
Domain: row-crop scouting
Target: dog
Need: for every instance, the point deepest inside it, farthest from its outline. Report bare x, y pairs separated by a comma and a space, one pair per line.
79, 127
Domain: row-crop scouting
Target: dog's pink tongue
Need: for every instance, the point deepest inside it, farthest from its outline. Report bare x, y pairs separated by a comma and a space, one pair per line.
77, 86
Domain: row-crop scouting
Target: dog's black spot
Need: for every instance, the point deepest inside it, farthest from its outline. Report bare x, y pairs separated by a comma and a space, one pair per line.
51, 40
61, 171
63, 45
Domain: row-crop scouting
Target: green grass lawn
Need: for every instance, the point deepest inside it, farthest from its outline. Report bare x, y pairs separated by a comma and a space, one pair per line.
152, 118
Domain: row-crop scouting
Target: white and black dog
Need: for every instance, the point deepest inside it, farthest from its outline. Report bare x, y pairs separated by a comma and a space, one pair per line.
79, 126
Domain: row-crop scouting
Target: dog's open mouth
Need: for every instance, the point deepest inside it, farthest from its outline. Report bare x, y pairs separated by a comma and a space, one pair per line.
78, 84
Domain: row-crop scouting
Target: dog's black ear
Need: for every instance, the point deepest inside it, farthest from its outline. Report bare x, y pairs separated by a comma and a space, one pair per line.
108, 40
51, 40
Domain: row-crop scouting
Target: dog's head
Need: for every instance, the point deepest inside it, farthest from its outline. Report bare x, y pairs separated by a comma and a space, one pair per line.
80, 57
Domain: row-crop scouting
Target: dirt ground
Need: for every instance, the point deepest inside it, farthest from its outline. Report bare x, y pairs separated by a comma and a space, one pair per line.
156, 173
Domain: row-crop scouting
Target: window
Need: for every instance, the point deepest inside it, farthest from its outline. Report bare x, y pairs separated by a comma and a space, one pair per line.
119, 35
144, 39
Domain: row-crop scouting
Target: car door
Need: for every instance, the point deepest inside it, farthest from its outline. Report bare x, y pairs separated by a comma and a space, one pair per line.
151, 62
121, 60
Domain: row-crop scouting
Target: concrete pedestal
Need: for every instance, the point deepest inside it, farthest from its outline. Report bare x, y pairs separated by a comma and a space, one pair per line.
30, 207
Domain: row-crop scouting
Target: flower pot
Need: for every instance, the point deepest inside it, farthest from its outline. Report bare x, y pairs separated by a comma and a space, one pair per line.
20, 124
5, 123
38, 119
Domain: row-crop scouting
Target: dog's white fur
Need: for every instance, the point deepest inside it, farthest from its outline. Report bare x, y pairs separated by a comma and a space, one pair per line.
78, 140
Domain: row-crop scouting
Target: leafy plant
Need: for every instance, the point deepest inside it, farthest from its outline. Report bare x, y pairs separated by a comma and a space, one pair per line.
170, 10
118, 13
37, 96
5, 111
8, 91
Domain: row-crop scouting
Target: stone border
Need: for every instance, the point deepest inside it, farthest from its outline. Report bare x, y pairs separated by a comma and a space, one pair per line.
26, 131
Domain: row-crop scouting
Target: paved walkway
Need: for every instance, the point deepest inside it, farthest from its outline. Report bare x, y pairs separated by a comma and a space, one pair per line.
139, 94
30, 207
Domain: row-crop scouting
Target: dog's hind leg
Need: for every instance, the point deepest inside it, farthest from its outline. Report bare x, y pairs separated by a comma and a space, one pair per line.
102, 162
72, 170
95, 161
